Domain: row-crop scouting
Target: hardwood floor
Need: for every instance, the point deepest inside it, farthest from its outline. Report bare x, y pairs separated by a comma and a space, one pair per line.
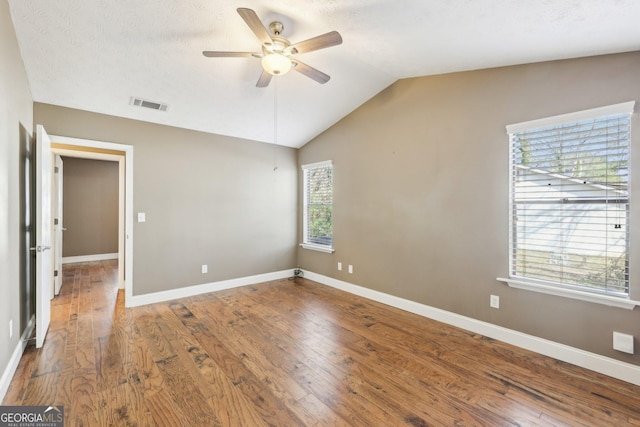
289, 353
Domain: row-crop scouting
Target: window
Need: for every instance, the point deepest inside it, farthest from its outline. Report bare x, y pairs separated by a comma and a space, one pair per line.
570, 200
318, 206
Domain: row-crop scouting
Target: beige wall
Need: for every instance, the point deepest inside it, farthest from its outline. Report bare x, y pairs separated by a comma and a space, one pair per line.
421, 193
90, 209
15, 110
208, 199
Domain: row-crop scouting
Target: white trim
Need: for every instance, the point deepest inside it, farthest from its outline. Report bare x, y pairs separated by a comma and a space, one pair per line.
595, 362
619, 302
80, 142
155, 297
14, 361
317, 165
90, 155
319, 248
125, 233
610, 110
88, 258
127, 275
122, 219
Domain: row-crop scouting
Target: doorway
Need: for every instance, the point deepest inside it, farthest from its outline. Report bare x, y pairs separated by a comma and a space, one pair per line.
123, 155
87, 219
44, 222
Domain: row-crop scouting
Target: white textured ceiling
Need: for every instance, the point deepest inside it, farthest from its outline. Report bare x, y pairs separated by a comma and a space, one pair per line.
96, 54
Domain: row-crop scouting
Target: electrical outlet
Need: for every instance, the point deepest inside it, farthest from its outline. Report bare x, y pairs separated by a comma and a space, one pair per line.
623, 342
10, 328
142, 217
350, 269
205, 268
494, 301
339, 266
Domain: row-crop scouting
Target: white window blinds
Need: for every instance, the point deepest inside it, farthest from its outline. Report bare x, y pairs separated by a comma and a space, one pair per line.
570, 200
318, 204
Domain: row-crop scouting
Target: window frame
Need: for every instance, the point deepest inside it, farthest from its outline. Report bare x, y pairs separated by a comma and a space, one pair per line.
596, 295
305, 208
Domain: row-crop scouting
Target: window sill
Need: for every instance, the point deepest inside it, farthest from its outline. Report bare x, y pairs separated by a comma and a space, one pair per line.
619, 302
319, 248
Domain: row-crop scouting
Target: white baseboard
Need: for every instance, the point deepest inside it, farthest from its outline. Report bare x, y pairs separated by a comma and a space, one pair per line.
7, 375
144, 299
88, 258
595, 362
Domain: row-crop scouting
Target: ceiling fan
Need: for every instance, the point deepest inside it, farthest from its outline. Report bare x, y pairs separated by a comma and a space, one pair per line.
278, 54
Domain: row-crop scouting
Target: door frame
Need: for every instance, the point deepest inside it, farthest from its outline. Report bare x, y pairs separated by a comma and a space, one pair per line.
56, 232
100, 150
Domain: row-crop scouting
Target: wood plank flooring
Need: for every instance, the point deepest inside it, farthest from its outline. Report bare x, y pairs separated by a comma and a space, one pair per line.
292, 353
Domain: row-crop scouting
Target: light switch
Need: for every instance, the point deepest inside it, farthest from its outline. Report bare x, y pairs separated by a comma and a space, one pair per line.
142, 217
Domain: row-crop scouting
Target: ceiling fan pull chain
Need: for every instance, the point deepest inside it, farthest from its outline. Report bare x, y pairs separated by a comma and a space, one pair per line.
275, 125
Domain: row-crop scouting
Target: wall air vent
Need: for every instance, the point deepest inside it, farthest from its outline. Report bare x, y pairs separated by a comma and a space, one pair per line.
139, 102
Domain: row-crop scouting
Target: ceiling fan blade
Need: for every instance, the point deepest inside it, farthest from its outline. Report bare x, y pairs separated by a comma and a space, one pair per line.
216, 54
255, 24
310, 72
264, 80
332, 38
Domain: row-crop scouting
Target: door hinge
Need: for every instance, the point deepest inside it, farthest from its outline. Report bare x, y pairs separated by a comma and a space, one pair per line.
55, 273
56, 169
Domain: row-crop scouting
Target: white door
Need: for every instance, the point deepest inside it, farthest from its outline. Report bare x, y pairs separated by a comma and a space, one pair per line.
58, 226
43, 234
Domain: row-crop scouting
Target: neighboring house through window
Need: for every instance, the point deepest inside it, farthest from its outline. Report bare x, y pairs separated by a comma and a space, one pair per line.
569, 217
318, 206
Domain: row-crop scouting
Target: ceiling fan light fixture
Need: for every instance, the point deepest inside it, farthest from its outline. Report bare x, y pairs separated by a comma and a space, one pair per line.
276, 64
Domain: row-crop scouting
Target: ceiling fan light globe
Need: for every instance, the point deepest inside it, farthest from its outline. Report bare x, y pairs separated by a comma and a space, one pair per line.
276, 64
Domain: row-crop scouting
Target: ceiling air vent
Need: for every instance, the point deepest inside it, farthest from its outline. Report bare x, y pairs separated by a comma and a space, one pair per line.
139, 102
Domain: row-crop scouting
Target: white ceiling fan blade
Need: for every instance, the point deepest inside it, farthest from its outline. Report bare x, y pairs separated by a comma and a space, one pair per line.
329, 39
264, 80
310, 72
255, 24
217, 54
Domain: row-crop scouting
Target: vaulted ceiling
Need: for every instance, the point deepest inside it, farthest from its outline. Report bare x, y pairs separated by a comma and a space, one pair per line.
96, 55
